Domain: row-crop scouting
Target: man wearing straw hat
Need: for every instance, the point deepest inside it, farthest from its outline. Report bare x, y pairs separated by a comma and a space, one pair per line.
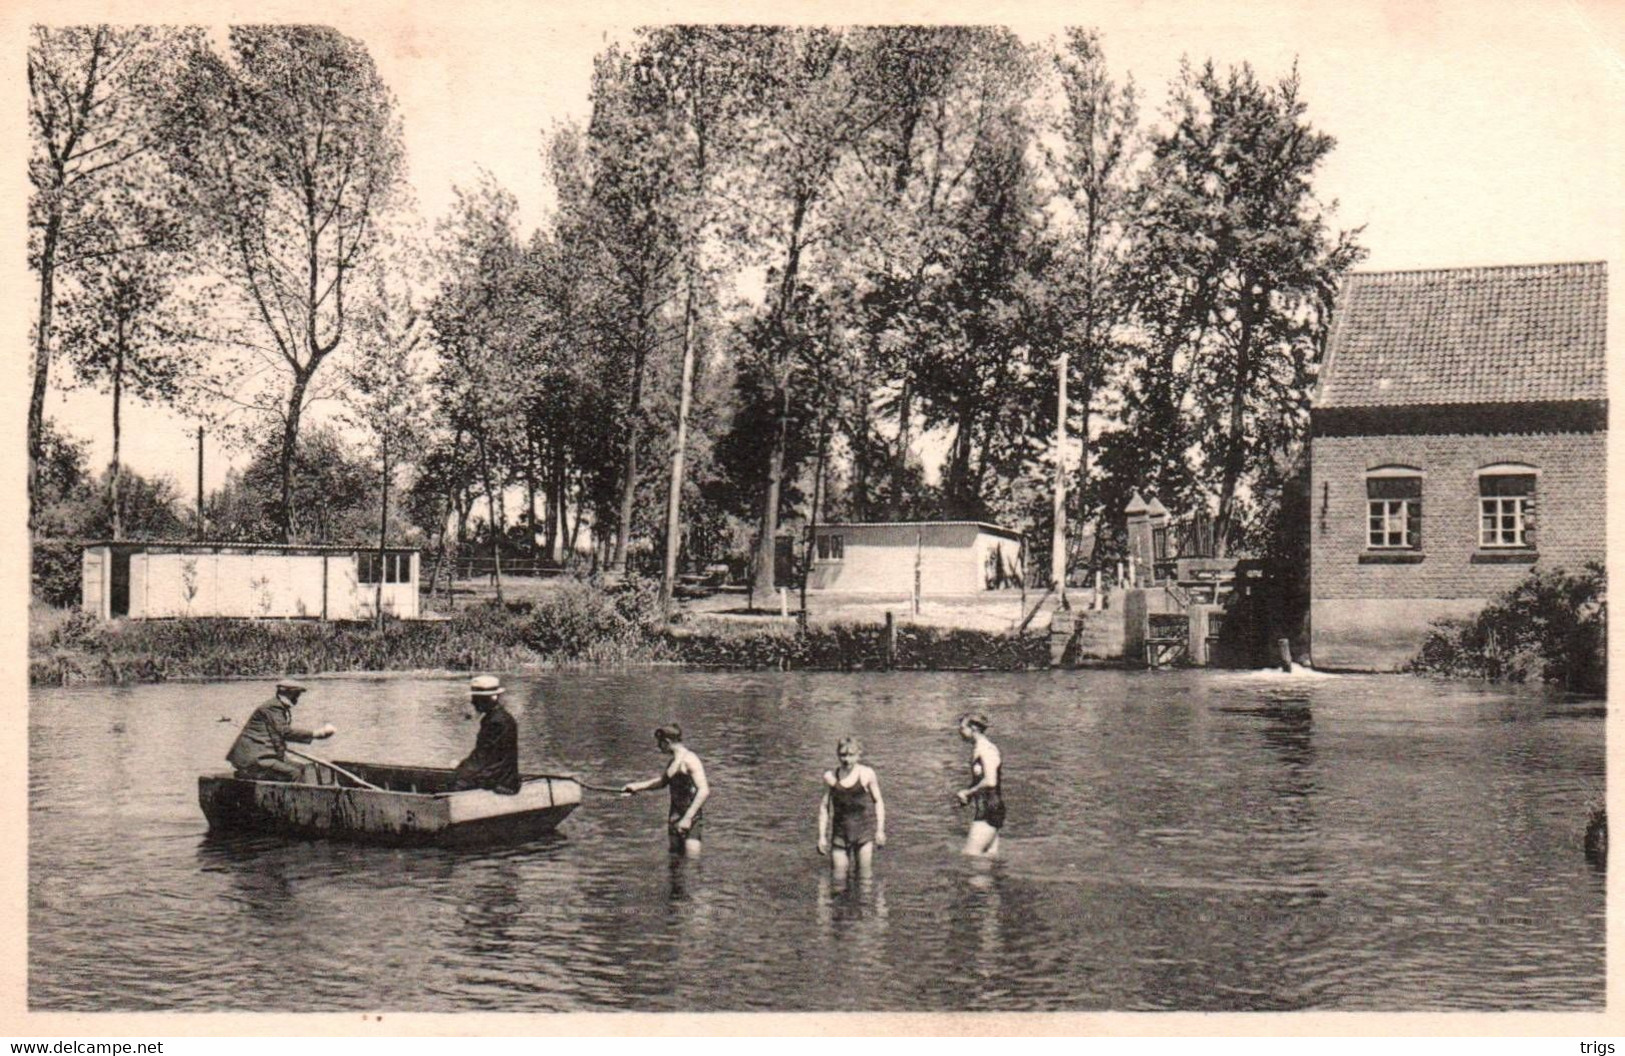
494, 762
260, 752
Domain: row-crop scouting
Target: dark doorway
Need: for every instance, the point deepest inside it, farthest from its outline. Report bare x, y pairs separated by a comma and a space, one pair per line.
120, 601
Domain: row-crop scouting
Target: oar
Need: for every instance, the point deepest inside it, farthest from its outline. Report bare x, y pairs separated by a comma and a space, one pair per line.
577, 780
363, 782
599, 788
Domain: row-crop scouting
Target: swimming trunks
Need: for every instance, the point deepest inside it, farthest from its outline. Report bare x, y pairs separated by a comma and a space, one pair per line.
683, 791
987, 803
854, 822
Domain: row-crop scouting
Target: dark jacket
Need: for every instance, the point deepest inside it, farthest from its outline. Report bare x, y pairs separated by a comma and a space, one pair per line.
266, 735
494, 762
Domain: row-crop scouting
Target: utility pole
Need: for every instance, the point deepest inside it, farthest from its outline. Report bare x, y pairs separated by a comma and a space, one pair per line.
1058, 539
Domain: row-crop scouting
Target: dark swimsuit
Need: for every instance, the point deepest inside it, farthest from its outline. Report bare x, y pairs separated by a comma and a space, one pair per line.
854, 822
683, 791
988, 802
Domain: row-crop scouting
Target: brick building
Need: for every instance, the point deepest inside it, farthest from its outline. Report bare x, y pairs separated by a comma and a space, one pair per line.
1459, 437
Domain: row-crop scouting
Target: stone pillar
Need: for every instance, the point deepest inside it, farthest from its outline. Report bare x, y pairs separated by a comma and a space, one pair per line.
1157, 514
1196, 640
1136, 624
1060, 635
1138, 516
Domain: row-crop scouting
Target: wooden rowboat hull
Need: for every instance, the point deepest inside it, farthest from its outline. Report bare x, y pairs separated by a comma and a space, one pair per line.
412, 807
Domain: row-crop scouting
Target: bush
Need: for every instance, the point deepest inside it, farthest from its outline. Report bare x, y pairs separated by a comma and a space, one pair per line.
57, 572
1552, 627
571, 620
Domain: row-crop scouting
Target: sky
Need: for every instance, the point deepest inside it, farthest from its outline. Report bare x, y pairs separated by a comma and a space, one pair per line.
1469, 132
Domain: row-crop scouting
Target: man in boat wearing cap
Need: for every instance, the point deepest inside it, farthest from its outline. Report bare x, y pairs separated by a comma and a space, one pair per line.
260, 752
494, 762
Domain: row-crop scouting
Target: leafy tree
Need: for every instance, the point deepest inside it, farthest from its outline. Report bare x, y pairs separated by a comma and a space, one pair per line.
330, 502
631, 218
62, 483
480, 324
1236, 271
96, 117
810, 119
119, 329
1094, 165
293, 155
387, 386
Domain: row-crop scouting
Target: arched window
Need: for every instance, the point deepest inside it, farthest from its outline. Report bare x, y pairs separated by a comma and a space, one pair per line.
1394, 508
1506, 506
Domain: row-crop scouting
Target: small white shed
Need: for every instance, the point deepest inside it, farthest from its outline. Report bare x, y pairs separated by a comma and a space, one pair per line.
167, 580
954, 557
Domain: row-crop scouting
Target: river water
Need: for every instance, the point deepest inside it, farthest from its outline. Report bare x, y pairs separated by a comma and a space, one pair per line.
1176, 840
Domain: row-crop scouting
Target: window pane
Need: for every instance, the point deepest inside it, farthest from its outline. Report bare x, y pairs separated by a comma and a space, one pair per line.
1507, 484
1393, 487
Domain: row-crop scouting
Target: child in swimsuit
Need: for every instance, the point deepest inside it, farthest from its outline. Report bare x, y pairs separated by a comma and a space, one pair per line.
847, 826
685, 776
987, 801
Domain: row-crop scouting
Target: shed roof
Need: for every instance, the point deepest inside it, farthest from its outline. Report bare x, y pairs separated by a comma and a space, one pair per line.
222, 544
981, 525
1513, 334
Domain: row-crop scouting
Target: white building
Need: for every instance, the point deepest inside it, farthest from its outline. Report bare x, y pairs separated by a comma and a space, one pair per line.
146, 580
953, 557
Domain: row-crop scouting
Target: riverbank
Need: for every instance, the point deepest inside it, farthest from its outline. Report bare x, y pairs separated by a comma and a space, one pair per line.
575, 627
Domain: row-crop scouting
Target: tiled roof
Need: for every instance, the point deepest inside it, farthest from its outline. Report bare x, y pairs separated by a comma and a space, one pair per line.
1468, 335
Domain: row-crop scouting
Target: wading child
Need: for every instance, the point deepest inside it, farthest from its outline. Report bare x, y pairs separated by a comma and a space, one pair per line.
986, 769
852, 815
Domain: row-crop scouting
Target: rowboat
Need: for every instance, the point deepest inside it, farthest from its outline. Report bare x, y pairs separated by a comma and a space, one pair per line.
407, 804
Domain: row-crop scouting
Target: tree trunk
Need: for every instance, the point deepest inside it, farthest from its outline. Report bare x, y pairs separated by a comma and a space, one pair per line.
42, 353
812, 510
1235, 455
290, 442
668, 580
765, 581
575, 522
440, 552
959, 463
899, 473
634, 429
383, 533
1057, 573
491, 515
530, 494
557, 483
114, 473
860, 457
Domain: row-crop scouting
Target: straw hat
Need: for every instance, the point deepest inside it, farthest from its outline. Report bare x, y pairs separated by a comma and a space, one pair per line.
485, 686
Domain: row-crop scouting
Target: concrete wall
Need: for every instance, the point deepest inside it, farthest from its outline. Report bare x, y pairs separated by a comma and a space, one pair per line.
1101, 634
1367, 615
95, 581
270, 585
879, 559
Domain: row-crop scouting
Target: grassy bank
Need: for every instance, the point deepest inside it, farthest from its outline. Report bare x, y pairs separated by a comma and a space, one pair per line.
576, 625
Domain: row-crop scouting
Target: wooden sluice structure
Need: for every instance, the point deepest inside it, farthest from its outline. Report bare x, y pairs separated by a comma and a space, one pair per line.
1177, 595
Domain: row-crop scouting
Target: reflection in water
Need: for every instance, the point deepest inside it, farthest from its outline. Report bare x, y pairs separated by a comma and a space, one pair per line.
1184, 840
